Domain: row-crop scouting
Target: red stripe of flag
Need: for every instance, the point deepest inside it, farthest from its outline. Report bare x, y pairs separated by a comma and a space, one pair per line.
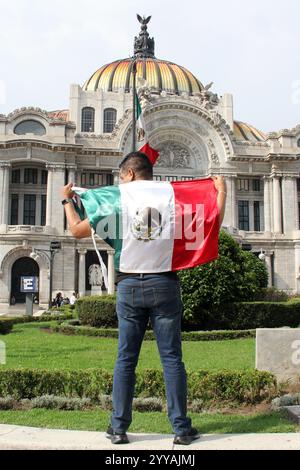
187, 195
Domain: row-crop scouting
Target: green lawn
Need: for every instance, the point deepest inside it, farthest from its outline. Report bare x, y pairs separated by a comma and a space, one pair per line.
97, 420
27, 346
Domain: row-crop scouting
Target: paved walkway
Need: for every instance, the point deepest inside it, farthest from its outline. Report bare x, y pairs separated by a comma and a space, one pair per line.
21, 437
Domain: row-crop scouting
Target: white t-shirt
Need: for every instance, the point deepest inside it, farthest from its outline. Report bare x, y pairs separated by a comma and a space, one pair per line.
72, 300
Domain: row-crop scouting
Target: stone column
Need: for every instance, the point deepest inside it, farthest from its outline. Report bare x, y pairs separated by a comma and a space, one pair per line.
290, 204
297, 268
72, 175
277, 215
82, 267
55, 212
230, 217
268, 261
267, 203
4, 185
111, 273
115, 174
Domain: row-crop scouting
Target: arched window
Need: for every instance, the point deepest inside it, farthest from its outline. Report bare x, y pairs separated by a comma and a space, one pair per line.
109, 120
30, 127
298, 143
88, 120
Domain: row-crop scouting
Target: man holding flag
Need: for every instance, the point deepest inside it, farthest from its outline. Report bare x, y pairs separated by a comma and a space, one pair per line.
158, 226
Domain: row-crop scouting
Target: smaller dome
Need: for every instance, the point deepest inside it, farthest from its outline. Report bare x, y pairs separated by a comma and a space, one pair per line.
243, 131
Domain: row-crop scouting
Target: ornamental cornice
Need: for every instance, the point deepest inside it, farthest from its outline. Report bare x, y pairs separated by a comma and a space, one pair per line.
284, 133
282, 157
42, 113
5, 164
40, 144
55, 167
247, 143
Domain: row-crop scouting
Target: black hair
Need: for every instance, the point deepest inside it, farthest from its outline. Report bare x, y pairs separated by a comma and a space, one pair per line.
139, 163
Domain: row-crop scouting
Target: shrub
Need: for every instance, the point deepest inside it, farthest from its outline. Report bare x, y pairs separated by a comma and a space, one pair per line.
6, 326
147, 404
6, 403
71, 329
235, 276
271, 294
236, 386
51, 402
97, 311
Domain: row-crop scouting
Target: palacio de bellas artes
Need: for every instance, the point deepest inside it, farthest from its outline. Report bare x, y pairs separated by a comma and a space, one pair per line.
197, 136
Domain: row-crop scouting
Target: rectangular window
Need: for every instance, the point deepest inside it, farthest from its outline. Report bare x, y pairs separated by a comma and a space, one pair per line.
256, 185
29, 209
171, 178
30, 176
92, 179
107, 179
14, 214
44, 176
243, 215
43, 209
15, 176
256, 216
83, 179
243, 184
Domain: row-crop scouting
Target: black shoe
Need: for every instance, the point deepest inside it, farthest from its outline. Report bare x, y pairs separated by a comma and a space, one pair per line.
187, 438
116, 438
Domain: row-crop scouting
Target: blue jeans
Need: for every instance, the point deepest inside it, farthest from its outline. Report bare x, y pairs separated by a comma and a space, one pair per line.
156, 297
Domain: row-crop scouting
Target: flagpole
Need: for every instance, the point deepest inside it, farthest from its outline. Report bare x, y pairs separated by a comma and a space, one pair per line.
134, 105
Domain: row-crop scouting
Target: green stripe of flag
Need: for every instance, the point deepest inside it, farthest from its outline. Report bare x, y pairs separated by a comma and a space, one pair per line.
103, 209
138, 109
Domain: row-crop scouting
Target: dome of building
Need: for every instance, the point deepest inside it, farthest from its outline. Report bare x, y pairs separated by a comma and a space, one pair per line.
160, 75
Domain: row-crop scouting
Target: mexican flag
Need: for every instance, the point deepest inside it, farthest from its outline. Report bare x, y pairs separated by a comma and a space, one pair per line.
156, 226
142, 138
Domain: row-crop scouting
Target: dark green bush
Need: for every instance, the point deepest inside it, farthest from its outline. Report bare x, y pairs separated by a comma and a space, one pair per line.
246, 315
235, 276
97, 311
6, 326
249, 386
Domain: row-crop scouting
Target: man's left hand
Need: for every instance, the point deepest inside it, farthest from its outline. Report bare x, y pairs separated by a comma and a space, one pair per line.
66, 191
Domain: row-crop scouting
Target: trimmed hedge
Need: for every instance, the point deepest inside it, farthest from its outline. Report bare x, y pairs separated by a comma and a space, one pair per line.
74, 330
41, 319
252, 315
5, 326
100, 312
97, 311
249, 386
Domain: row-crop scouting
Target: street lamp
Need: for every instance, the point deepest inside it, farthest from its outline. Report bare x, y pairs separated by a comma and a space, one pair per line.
262, 255
50, 254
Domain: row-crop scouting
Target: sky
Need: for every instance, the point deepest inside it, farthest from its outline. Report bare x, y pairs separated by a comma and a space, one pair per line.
249, 49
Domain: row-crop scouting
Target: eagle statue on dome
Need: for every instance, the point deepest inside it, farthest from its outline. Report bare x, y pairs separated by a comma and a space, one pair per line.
144, 21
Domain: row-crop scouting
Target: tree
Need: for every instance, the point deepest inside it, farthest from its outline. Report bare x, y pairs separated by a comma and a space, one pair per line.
235, 276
